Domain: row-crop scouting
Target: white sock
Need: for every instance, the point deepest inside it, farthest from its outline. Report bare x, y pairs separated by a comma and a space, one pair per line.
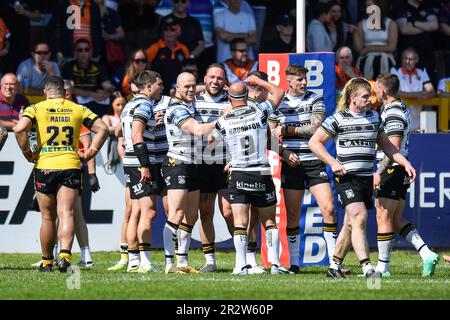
335, 263
385, 241
251, 258
293, 235
144, 254
55, 251
184, 242
330, 235
133, 258
240, 244
366, 267
273, 243
169, 237
86, 254
251, 253
414, 238
209, 250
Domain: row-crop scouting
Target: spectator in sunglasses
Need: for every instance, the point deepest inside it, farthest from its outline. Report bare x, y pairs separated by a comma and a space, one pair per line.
137, 62
166, 55
239, 66
92, 85
33, 72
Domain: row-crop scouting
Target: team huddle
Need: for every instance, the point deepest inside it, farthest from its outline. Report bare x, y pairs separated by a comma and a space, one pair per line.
211, 142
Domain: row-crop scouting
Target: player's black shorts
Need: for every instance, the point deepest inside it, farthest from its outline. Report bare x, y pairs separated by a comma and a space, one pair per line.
351, 189
304, 176
394, 183
212, 178
251, 188
178, 175
47, 181
139, 189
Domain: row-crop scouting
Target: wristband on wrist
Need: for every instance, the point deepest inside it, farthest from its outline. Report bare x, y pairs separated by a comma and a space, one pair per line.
96, 150
140, 149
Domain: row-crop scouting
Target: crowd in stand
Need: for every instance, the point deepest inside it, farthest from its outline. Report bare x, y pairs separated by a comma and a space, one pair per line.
100, 44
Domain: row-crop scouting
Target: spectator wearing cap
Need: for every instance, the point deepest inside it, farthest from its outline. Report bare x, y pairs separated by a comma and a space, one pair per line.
239, 66
11, 102
233, 23
284, 41
191, 30
167, 54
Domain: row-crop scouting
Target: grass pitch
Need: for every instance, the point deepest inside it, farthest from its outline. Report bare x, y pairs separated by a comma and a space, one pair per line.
18, 280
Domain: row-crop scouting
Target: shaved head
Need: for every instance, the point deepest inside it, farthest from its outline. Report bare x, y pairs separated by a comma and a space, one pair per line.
185, 76
237, 94
186, 87
237, 89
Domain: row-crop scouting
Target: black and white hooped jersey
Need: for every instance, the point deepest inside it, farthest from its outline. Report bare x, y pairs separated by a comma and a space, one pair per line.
209, 109
355, 136
140, 108
297, 111
182, 145
158, 145
244, 130
396, 121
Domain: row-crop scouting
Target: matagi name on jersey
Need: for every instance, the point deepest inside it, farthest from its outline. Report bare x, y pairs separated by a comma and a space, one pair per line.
362, 143
59, 119
244, 128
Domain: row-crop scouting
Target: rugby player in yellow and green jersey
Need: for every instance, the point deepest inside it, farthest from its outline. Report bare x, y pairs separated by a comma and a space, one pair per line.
58, 123
57, 173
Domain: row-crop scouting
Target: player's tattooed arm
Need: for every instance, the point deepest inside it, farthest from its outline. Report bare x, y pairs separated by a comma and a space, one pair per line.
384, 164
308, 130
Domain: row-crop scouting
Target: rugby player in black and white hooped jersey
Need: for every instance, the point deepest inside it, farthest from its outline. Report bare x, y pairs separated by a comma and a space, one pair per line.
180, 172
245, 132
356, 130
391, 181
138, 121
210, 105
299, 115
